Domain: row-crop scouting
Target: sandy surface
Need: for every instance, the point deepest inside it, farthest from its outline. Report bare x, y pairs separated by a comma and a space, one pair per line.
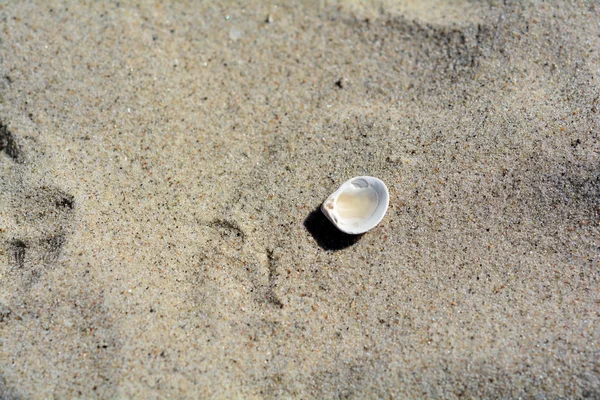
161, 165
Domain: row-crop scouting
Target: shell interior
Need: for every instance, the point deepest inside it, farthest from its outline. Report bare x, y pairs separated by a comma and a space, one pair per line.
355, 206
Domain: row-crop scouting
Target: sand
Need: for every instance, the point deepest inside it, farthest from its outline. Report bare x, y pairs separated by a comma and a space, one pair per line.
162, 166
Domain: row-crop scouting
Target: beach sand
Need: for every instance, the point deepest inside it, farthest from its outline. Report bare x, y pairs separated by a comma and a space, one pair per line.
162, 166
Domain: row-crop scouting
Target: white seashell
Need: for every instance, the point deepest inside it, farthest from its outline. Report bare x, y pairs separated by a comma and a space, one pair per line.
358, 205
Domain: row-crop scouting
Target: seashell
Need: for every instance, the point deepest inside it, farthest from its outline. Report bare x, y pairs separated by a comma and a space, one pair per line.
358, 205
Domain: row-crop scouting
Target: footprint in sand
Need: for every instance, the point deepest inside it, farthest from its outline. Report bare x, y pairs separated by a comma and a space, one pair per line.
34, 219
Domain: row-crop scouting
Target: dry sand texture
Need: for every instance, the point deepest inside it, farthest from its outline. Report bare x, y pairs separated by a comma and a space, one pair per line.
161, 165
